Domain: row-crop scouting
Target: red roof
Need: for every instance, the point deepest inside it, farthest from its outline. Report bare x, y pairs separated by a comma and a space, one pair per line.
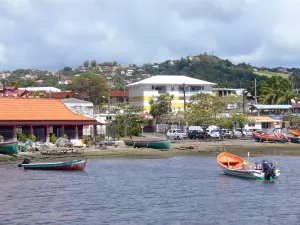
8, 87
118, 94
37, 109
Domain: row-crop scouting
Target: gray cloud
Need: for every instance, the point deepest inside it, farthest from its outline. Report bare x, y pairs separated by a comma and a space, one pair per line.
56, 33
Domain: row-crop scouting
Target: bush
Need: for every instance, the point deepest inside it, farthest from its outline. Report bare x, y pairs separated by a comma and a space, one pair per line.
22, 137
87, 138
66, 136
32, 137
1, 138
53, 138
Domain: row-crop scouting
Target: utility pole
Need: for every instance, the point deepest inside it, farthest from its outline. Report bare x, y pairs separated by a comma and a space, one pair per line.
255, 91
184, 101
243, 102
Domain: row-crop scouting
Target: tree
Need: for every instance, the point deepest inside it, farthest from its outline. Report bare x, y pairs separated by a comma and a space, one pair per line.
67, 69
202, 109
30, 83
240, 120
16, 83
161, 106
127, 121
277, 90
86, 63
294, 120
224, 122
93, 63
93, 85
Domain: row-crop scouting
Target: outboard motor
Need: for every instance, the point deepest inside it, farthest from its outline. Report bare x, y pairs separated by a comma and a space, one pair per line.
269, 169
25, 161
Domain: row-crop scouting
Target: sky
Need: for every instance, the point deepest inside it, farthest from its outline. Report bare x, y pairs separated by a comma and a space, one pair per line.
51, 34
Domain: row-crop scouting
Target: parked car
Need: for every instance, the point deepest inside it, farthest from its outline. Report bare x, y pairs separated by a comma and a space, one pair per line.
213, 133
176, 134
246, 133
196, 134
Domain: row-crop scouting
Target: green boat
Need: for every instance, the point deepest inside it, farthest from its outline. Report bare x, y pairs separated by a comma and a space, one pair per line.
148, 143
9, 147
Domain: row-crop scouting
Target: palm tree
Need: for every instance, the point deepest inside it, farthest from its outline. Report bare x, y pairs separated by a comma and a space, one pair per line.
288, 90
277, 90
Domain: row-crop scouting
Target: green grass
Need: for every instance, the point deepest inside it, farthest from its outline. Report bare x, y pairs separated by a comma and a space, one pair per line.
270, 74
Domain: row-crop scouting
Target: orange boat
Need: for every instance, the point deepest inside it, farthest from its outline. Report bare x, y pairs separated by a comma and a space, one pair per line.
277, 137
295, 132
236, 166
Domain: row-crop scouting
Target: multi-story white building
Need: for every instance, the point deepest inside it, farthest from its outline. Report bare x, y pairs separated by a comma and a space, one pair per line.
141, 92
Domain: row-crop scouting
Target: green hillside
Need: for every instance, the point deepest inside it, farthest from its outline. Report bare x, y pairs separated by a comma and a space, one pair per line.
270, 74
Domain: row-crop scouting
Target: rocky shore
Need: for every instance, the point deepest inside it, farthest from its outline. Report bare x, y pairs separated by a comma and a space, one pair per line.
178, 148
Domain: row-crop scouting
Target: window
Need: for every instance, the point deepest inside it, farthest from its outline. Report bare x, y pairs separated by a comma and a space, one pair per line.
152, 87
265, 125
251, 124
172, 88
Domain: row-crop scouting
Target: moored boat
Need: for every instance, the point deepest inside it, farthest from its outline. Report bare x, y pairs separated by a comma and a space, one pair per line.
70, 165
269, 137
236, 166
294, 140
9, 147
148, 143
295, 132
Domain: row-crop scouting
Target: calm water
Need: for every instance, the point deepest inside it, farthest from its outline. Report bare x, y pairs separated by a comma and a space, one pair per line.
183, 190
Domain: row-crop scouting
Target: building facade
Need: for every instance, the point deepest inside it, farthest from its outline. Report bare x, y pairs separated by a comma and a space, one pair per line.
141, 92
41, 117
118, 96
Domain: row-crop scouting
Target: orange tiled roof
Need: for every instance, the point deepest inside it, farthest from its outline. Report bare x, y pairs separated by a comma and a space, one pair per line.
40, 109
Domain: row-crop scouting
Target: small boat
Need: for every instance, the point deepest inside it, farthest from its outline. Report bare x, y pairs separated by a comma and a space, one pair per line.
70, 165
236, 166
294, 140
295, 132
9, 147
269, 137
148, 143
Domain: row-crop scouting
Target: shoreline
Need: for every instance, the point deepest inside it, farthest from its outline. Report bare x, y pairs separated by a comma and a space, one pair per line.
178, 148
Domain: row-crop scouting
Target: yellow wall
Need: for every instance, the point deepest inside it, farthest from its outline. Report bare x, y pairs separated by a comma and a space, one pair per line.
145, 98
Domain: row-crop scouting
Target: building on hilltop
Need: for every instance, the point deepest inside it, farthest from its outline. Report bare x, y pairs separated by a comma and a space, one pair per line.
41, 117
141, 92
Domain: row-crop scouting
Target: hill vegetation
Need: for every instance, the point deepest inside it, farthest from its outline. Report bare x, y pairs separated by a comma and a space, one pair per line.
204, 66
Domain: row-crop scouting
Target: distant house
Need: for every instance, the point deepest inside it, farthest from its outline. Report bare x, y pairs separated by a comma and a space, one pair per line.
118, 96
42, 89
58, 95
12, 91
260, 110
265, 122
283, 70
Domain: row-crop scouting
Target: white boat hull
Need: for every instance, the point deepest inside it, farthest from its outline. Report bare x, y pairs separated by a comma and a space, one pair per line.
253, 174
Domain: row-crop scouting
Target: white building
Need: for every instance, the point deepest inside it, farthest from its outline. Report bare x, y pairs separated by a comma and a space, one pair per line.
142, 91
81, 107
40, 89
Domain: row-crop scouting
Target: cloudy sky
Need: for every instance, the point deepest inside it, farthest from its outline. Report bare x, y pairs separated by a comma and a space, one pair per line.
50, 34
